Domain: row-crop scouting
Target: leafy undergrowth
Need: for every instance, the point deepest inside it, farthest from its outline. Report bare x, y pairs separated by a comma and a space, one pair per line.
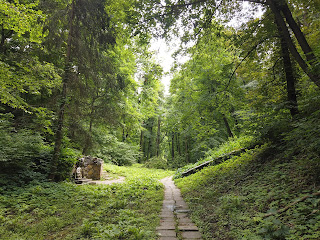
229, 200
66, 211
232, 145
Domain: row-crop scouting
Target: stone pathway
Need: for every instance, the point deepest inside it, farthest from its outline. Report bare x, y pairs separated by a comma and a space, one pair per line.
175, 223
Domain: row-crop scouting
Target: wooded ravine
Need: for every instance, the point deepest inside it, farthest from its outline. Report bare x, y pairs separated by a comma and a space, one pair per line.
239, 130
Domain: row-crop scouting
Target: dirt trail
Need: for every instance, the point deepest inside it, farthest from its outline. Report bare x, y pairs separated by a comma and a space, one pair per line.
175, 223
107, 182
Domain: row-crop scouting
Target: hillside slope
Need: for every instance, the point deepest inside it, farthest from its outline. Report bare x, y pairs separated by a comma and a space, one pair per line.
230, 200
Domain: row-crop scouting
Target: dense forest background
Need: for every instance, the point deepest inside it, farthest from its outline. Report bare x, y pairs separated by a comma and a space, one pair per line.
78, 78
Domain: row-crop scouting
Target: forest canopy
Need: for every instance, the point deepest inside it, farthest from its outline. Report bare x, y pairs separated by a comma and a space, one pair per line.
78, 78
237, 129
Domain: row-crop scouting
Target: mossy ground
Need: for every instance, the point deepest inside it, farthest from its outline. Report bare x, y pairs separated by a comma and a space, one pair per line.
66, 211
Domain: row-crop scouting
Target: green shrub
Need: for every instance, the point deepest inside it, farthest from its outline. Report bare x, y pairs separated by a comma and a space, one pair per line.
68, 158
157, 162
119, 153
304, 137
25, 156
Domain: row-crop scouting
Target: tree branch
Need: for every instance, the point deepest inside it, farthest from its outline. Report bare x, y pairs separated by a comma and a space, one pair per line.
247, 55
256, 1
299, 34
185, 4
286, 34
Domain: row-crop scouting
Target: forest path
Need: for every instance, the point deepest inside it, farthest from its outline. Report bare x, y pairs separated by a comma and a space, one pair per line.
175, 223
108, 182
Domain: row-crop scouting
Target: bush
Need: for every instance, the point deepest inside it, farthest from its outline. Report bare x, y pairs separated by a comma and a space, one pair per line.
20, 149
68, 158
304, 137
25, 156
157, 162
119, 153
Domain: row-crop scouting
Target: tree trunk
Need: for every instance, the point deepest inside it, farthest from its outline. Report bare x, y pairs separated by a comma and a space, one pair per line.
88, 140
187, 150
146, 151
299, 35
123, 129
67, 72
158, 137
172, 146
289, 75
5, 34
149, 155
178, 144
226, 123
280, 21
141, 144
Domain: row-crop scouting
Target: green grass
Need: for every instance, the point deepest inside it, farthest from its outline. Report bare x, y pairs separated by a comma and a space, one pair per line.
234, 144
66, 211
137, 170
229, 200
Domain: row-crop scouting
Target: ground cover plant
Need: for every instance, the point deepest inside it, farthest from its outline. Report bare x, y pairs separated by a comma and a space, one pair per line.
67, 211
239, 198
235, 144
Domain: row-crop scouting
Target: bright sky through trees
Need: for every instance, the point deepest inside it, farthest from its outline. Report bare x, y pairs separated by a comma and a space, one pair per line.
164, 50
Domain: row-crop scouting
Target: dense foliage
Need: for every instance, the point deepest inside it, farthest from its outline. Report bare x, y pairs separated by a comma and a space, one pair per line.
77, 77
73, 80
239, 198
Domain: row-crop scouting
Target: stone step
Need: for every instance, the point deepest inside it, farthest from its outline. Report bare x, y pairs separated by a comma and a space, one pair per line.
188, 227
191, 235
175, 216
82, 180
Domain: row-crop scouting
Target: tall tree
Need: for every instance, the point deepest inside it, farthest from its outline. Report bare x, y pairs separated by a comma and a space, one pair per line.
63, 100
197, 15
91, 37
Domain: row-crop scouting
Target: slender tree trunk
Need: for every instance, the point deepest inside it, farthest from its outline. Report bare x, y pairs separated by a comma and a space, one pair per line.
141, 144
5, 34
88, 140
172, 146
158, 137
66, 77
149, 155
280, 21
187, 149
146, 151
226, 123
123, 129
3, 39
289, 74
178, 143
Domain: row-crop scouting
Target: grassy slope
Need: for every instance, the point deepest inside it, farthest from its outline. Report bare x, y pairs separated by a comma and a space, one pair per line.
67, 211
228, 200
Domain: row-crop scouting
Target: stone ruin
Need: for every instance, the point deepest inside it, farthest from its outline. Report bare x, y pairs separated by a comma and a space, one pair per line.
89, 168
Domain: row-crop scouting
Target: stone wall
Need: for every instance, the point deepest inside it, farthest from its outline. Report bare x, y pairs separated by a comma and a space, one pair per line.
91, 167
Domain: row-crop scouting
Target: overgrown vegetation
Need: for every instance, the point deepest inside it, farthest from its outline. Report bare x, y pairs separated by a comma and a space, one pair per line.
77, 77
66, 211
239, 198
